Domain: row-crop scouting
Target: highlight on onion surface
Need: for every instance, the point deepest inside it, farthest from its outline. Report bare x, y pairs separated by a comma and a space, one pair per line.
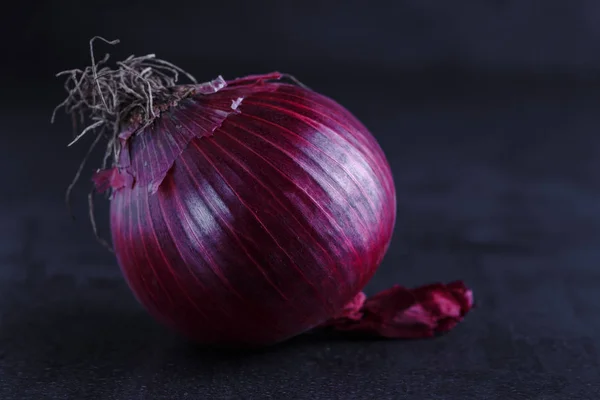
247, 211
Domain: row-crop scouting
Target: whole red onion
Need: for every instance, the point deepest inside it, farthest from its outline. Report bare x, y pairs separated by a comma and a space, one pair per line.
257, 212
250, 211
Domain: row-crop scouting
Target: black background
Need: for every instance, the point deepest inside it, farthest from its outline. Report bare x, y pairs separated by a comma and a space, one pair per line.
488, 112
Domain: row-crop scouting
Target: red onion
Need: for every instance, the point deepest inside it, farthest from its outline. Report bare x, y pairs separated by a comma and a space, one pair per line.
250, 211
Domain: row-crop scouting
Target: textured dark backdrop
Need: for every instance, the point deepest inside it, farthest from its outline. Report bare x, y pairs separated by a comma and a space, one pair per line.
488, 112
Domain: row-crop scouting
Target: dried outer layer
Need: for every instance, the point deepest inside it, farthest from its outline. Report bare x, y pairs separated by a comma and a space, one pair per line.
404, 313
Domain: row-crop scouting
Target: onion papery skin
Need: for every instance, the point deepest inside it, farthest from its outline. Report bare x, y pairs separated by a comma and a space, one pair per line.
250, 223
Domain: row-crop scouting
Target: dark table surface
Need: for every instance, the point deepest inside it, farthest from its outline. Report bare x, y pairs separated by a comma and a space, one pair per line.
498, 184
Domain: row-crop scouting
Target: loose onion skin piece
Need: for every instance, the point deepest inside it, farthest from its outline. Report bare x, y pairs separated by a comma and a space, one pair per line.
253, 213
